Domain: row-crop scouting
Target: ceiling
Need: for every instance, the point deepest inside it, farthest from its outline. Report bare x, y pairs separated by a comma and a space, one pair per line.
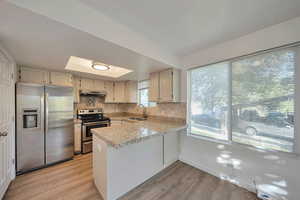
37, 41
140, 35
184, 26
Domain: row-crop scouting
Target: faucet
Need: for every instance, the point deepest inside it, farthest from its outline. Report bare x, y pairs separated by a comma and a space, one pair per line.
144, 111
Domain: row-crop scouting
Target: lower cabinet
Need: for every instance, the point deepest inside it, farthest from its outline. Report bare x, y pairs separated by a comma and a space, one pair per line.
77, 138
171, 148
118, 170
140, 161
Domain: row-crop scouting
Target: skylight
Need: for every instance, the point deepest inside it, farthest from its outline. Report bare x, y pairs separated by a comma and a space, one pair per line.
88, 66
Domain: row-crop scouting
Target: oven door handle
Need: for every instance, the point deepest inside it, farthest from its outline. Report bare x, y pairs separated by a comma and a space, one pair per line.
95, 123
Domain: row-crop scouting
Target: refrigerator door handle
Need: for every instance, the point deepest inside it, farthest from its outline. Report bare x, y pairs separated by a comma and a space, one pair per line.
46, 113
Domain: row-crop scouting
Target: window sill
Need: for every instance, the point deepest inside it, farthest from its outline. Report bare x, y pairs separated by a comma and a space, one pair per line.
200, 137
250, 147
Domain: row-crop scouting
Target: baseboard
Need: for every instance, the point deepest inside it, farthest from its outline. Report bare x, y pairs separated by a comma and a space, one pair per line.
209, 170
170, 163
4, 189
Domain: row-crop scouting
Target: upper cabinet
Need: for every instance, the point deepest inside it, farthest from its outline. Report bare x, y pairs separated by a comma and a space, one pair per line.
38, 76
76, 84
91, 84
154, 87
121, 91
61, 79
86, 84
116, 91
30, 75
109, 88
99, 85
131, 92
165, 86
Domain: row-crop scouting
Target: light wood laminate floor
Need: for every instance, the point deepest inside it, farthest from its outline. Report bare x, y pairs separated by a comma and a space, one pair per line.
73, 180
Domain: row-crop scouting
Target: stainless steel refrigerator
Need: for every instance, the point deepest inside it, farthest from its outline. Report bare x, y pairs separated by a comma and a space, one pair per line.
45, 125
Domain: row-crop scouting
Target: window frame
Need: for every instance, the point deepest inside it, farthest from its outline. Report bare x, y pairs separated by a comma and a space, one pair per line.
149, 104
296, 142
140, 94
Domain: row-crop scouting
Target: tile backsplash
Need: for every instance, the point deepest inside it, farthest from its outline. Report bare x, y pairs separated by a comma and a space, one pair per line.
97, 102
174, 110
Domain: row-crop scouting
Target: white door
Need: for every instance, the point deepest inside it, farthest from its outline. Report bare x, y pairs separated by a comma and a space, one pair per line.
6, 122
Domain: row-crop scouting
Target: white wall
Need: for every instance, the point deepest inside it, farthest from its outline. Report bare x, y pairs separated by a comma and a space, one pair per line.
273, 171
270, 37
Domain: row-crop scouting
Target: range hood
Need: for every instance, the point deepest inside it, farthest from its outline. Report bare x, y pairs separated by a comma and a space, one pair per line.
92, 93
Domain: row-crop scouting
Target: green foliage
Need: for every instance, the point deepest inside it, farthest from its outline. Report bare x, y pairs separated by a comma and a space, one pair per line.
255, 79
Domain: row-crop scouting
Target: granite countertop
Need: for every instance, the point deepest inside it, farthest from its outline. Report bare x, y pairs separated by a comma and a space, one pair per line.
128, 132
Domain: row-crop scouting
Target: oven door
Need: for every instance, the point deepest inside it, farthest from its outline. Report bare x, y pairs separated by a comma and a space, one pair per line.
87, 127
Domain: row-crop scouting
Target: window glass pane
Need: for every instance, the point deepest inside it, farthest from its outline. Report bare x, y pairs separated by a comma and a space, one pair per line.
144, 97
263, 100
143, 84
209, 101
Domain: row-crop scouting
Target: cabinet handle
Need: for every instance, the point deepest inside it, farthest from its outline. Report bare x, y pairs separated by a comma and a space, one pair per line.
5, 133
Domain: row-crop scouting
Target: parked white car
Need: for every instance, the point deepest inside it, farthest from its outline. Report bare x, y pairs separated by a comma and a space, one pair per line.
270, 126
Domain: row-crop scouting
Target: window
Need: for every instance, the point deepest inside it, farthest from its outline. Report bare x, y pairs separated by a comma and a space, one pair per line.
209, 101
143, 90
259, 92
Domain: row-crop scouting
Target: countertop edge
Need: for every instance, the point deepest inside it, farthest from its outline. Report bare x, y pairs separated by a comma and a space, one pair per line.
133, 141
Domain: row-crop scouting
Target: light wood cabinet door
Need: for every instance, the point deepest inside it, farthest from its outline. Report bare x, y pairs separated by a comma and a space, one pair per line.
77, 138
154, 87
119, 92
86, 84
166, 86
61, 79
131, 92
76, 85
99, 85
109, 88
29, 75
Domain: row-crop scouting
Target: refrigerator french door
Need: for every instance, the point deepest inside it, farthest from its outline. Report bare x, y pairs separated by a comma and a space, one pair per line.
44, 125
59, 124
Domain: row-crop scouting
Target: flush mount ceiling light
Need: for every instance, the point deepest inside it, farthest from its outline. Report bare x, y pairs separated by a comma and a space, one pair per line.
100, 66
94, 67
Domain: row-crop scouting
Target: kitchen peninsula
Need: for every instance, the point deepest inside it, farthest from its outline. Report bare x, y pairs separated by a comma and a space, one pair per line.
131, 151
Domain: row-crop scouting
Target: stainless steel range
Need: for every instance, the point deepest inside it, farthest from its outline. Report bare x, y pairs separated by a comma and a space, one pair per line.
92, 118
